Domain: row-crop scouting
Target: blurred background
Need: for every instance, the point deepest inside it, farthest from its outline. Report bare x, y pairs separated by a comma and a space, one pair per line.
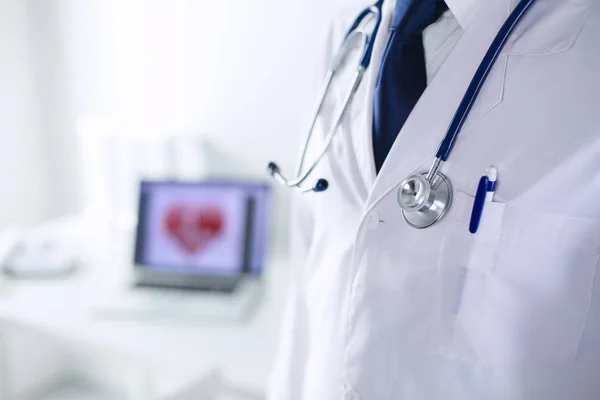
98, 94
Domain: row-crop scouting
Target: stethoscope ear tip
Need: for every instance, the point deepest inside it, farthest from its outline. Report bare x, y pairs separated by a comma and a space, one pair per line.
321, 186
272, 168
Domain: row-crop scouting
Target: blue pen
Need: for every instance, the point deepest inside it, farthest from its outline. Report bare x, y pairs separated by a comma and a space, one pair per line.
485, 194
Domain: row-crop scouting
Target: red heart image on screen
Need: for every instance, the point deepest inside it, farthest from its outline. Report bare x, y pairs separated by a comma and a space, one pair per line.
194, 228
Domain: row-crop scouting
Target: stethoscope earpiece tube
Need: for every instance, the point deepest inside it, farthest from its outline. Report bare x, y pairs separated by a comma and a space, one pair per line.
273, 169
376, 10
353, 34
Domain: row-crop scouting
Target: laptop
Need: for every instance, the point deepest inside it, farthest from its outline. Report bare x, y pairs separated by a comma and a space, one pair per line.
201, 235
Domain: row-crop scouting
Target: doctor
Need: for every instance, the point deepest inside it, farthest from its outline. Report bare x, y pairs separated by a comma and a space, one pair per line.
381, 310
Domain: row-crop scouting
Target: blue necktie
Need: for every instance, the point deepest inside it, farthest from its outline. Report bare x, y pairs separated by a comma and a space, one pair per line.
402, 76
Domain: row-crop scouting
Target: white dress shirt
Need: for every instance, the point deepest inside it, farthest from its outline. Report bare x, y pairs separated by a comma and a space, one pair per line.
439, 39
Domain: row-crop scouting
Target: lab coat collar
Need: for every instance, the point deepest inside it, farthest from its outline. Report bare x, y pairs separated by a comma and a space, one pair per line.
463, 10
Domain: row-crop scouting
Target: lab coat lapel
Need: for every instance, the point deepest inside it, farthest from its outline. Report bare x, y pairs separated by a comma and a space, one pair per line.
363, 139
419, 139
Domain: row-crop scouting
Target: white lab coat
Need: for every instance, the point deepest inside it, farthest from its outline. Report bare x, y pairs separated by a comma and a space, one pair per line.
382, 311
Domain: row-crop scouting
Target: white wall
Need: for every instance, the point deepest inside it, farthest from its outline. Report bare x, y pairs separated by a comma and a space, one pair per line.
242, 74
224, 68
21, 179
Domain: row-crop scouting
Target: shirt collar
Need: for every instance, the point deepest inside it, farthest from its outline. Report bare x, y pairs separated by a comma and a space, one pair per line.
463, 10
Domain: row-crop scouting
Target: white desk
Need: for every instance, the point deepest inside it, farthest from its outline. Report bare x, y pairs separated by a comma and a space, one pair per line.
170, 353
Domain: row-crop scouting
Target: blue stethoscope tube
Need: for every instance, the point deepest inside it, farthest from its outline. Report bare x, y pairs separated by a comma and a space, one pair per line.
375, 8
480, 77
426, 198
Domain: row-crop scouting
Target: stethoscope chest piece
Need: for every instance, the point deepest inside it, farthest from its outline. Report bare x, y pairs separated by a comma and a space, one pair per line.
424, 201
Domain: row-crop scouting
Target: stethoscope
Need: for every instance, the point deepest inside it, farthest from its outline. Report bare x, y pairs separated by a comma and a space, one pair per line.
424, 197
355, 33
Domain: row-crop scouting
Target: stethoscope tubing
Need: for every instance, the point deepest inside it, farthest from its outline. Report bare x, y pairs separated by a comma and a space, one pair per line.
480, 78
367, 41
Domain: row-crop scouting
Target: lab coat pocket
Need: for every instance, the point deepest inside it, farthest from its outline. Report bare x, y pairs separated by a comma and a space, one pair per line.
539, 293
518, 291
464, 263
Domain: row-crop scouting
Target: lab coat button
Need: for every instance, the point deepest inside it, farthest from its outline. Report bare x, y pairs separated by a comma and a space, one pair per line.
372, 220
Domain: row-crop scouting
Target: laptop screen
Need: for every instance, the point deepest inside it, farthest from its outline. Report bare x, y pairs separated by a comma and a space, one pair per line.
207, 227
